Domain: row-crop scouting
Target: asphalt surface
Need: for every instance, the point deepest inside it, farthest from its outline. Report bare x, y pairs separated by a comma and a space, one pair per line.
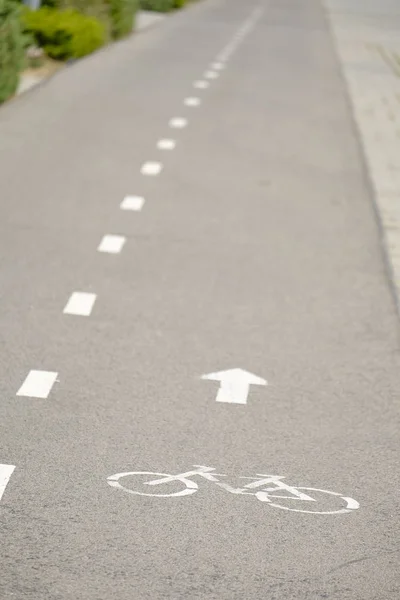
258, 247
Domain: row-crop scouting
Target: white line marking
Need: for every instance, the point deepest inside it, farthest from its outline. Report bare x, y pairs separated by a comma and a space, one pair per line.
178, 123
201, 85
5, 473
151, 168
112, 244
225, 55
132, 203
37, 384
211, 75
80, 303
351, 503
166, 144
239, 36
192, 101
234, 385
229, 50
218, 66
260, 487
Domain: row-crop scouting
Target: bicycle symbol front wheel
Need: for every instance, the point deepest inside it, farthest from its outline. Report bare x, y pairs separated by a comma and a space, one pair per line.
190, 486
350, 503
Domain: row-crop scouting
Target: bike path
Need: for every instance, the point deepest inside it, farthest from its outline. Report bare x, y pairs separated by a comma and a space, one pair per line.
257, 248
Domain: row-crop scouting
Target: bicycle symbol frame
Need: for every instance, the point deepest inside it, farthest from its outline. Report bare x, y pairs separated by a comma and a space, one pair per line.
257, 487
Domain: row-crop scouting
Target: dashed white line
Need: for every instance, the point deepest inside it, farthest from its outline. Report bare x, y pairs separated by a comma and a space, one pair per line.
201, 85
239, 36
229, 50
132, 203
225, 55
178, 123
38, 384
80, 303
192, 102
166, 144
211, 75
151, 168
218, 66
5, 473
112, 244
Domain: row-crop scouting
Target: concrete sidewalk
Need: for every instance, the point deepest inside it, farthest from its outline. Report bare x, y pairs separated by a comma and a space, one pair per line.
367, 37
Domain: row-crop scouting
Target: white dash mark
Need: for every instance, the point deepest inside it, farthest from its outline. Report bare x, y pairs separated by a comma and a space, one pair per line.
224, 55
166, 144
5, 473
37, 384
112, 244
211, 75
178, 123
218, 66
192, 101
151, 168
237, 39
132, 203
201, 85
80, 303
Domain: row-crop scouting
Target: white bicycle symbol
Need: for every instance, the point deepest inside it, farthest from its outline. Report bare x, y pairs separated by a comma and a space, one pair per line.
257, 487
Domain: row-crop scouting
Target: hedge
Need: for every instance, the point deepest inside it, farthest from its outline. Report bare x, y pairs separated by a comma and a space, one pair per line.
64, 34
122, 14
117, 16
97, 9
161, 5
11, 48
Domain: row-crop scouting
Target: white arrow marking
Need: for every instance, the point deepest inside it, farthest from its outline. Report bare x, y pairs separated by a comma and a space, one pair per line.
234, 385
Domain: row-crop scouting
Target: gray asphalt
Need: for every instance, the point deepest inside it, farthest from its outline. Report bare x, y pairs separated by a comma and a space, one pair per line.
258, 247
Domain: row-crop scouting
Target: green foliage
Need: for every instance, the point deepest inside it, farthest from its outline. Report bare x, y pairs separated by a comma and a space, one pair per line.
157, 5
64, 34
11, 48
117, 16
99, 9
162, 5
50, 3
122, 15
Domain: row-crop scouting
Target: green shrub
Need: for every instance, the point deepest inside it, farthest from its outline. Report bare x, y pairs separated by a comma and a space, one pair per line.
162, 5
99, 9
50, 3
11, 48
117, 16
122, 15
64, 34
157, 5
